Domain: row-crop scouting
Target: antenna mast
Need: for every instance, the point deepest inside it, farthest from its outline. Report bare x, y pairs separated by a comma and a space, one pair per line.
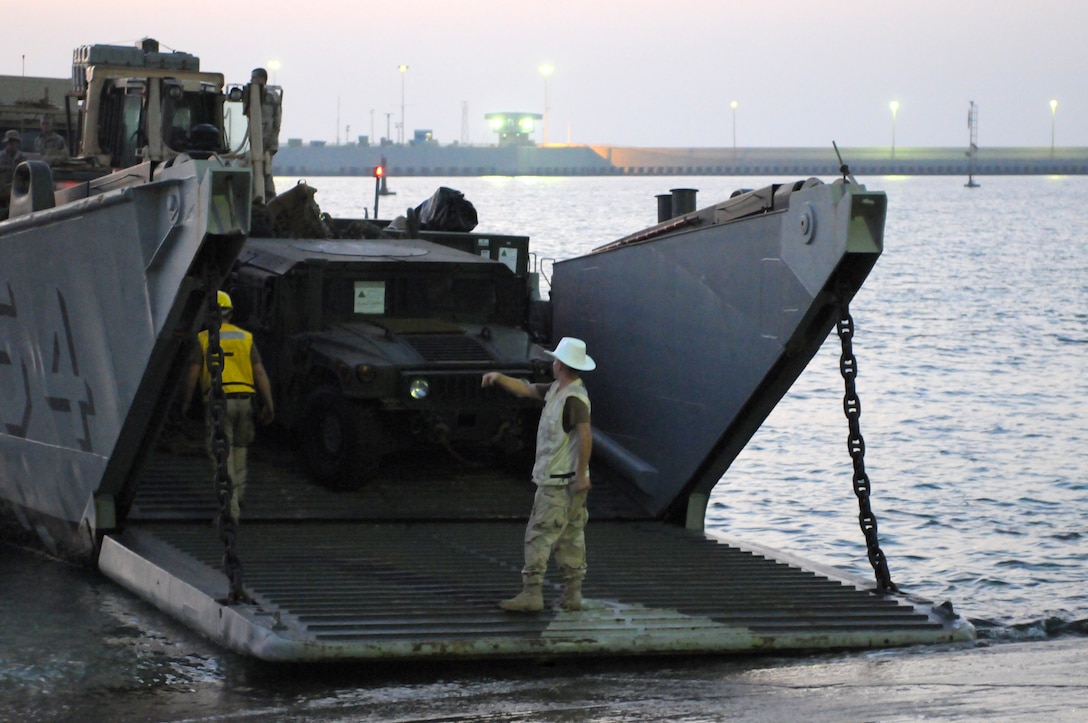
972, 150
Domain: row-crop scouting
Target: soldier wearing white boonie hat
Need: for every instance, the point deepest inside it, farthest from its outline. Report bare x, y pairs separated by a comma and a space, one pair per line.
564, 442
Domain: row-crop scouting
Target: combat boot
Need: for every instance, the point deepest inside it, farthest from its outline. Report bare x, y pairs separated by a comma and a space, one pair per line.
571, 599
529, 600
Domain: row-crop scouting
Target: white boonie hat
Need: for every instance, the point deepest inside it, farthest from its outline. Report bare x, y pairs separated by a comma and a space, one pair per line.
572, 352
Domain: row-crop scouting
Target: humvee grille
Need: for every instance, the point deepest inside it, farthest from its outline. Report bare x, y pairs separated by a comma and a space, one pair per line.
448, 348
461, 388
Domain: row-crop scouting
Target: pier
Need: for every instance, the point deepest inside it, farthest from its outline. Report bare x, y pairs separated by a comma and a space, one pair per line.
297, 159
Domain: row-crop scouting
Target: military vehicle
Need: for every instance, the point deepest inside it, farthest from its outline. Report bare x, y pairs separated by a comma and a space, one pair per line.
129, 113
377, 346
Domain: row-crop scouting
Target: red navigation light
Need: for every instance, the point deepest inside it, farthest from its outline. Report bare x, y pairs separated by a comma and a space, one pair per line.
379, 171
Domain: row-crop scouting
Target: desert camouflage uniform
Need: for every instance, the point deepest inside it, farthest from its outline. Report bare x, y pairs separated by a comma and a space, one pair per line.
8, 162
559, 515
271, 113
51, 146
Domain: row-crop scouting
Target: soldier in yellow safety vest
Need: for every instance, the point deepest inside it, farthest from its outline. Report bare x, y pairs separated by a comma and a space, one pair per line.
243, 377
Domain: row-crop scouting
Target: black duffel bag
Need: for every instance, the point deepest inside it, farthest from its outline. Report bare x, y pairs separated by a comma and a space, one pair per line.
447, 210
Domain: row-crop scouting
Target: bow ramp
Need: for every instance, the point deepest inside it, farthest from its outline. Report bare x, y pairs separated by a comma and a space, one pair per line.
412, 563
344, 576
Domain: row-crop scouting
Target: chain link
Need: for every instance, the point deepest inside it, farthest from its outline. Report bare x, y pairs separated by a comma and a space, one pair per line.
220, 446
848, 365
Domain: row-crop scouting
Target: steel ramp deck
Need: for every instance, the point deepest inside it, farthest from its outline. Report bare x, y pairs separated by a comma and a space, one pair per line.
362, 590
178, 486
412, 566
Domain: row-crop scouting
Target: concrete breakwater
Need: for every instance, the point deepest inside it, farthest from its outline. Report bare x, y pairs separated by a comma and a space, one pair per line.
584, 160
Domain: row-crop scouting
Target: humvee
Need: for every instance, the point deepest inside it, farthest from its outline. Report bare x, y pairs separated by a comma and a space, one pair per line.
377, 346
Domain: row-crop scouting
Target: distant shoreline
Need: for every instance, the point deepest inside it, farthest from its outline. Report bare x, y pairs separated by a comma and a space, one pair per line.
430, 159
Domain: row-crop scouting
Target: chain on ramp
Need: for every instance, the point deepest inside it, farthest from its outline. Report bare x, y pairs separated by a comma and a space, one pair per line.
848, 365
220, 446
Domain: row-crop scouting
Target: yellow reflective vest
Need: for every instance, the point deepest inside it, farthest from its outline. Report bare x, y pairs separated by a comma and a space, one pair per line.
237, 347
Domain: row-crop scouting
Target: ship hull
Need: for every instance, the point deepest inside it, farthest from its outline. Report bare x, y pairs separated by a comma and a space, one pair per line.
95, 295
700, 325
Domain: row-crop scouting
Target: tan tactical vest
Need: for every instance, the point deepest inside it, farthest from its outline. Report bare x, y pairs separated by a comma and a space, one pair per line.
557, 451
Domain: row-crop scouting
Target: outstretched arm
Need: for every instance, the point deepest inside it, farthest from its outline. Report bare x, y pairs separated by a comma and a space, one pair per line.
517, 387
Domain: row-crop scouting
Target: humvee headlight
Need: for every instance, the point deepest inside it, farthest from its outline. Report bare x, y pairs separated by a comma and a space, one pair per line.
365, 373
419, 388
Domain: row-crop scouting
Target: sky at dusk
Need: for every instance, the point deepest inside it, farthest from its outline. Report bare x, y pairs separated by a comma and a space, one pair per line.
626, 72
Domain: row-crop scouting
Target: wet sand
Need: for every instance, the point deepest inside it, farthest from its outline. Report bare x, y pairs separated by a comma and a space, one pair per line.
1037, 681
1010, 681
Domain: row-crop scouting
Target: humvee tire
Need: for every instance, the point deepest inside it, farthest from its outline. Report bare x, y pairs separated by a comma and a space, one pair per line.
340, 440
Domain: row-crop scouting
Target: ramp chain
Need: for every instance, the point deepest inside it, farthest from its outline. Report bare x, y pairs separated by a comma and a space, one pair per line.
220, 446
856, 444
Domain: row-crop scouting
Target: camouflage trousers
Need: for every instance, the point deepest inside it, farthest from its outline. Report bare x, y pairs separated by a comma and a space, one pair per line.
269, 182
241, 430
558, 524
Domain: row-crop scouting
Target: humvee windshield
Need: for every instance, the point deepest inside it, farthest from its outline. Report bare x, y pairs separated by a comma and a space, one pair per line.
470, 299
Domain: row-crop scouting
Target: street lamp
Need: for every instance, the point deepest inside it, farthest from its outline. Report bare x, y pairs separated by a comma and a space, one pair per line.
273, 65
894, 105
546, 70
733, 105
403, 69
1053, 112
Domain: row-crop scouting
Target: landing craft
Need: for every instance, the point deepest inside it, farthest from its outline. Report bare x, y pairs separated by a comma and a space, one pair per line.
104, 282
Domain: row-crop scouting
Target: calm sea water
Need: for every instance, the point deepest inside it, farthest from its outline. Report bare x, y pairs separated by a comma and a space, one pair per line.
972, 345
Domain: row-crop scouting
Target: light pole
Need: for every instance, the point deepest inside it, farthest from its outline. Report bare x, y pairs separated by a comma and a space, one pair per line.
546, 70
894, 105
733, 105
273, 65
1053, 112
403, 70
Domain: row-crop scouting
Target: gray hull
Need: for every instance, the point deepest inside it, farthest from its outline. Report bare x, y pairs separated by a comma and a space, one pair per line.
95, 297
700, 325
